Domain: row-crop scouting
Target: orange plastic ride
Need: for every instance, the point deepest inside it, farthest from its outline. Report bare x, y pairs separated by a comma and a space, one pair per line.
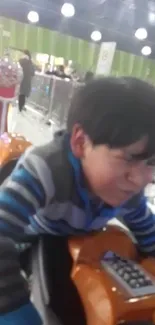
98, 279
115, 283
12, 146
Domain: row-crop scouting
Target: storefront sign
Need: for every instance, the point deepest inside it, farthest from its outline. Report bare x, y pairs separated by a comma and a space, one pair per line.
106, 56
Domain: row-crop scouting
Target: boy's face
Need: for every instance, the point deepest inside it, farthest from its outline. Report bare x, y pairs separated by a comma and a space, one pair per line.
112, 174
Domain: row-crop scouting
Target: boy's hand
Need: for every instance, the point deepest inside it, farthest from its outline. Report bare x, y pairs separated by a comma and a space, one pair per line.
13, 288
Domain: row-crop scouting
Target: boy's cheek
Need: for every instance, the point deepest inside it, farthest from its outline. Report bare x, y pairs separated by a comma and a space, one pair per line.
103, 182
102, 173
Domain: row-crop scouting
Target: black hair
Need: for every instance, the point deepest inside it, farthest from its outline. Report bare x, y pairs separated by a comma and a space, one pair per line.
88, 76
27, 52
115, 111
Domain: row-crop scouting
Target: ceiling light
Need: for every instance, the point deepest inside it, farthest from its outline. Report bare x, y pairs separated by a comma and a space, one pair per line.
68, 10
141, 33
146, 50
96, 35
151, 17
33, 17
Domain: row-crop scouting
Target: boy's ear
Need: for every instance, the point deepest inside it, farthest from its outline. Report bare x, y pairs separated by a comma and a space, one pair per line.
77, 141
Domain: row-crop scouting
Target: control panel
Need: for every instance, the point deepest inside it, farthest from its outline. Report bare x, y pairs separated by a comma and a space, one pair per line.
128, 274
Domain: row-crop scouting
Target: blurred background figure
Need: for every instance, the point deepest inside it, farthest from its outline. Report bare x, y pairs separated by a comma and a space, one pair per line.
88, 76
59, 72
28, 73
10, 79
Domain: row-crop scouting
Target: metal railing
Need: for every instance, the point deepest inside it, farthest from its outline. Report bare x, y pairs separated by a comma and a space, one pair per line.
51, 96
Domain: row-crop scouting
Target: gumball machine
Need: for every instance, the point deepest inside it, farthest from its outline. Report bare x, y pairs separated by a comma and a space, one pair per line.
11, 145
10, 78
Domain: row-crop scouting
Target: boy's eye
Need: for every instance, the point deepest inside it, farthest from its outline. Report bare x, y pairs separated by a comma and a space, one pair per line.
129, 158
150, 162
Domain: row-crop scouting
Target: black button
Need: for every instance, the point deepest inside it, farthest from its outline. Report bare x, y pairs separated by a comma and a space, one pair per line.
148, 282
117, 257
120, 264
124, 261
110, 262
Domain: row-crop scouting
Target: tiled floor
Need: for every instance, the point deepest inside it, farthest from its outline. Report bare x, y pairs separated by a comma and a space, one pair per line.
30, 125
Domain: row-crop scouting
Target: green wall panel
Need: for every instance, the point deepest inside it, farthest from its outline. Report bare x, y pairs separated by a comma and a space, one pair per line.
132, 65
37, 39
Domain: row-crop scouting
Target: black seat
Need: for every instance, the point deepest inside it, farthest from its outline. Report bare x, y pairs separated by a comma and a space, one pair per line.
7, 169
59, 301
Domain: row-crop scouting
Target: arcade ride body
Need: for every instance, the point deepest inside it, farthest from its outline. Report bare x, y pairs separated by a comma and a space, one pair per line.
98, 279
11, 146
114, 282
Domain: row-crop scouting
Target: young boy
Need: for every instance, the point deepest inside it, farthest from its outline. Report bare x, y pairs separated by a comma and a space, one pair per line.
94, 171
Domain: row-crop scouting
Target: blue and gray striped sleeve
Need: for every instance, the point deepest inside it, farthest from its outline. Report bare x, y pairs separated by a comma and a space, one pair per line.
25, 315
141, 222
26, 190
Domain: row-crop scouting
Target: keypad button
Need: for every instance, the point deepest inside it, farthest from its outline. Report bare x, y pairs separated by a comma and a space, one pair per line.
128, 269
141, 281
135, 267
134, 275
130, 273
115, 266
141, 273
126, 277
133, 283
121, 271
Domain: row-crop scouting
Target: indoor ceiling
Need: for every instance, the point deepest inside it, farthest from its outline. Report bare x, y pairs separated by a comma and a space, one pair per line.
116, 19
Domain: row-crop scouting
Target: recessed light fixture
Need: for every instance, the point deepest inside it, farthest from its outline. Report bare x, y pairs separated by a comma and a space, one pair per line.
68, 10
151, 17
146, 50
33, 17
96, 35
141, 33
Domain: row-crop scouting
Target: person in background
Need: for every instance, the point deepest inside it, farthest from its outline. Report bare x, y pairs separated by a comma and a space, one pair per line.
88, 76
28, 73
59, 72
74, 75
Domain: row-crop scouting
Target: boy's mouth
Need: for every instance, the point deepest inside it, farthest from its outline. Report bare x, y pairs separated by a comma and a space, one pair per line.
128, 193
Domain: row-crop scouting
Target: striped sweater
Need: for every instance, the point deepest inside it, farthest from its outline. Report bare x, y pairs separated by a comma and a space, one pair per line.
43, 195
